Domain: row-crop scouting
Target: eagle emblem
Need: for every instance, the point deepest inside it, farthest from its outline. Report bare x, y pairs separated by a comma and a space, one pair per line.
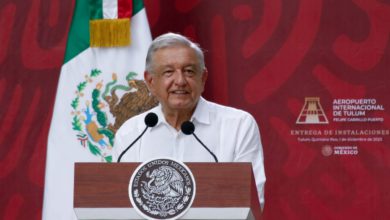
102, 104
164, 181
162, 189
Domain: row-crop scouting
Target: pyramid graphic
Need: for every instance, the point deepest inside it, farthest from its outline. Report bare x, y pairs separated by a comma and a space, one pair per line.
312, 112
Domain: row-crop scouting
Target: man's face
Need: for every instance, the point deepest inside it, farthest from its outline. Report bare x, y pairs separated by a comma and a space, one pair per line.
177, 80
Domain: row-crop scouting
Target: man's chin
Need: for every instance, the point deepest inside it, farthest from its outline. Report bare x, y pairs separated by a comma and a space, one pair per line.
182, 106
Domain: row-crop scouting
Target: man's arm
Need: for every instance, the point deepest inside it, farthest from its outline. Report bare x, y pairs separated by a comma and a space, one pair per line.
249, 149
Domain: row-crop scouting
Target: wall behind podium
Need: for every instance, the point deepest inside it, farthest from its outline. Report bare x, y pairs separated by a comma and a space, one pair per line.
314, 73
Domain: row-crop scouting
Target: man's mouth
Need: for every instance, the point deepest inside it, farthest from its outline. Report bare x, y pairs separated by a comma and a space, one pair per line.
179, 92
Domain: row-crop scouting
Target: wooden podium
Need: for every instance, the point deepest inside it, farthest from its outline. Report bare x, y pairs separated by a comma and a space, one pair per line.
223, 191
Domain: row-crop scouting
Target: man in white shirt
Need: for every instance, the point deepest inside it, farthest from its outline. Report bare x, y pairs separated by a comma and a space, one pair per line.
176, 75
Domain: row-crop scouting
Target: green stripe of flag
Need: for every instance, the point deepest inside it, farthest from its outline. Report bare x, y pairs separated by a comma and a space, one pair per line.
96, 9
78, 37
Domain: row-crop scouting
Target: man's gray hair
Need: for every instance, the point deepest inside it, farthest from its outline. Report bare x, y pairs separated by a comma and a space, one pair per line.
172, 40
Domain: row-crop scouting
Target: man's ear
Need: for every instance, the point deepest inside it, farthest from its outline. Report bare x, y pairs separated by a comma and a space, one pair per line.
149, 81
204, 76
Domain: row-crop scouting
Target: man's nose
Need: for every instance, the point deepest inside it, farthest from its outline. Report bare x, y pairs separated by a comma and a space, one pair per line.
180, 78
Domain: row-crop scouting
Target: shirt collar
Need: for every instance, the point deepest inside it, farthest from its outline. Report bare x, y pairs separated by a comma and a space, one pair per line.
201, 113
160, 115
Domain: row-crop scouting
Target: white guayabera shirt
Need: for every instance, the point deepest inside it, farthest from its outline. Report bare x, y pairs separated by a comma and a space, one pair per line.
231, 134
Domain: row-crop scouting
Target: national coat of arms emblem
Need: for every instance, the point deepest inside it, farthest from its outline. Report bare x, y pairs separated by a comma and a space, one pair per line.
162, 189
99, 108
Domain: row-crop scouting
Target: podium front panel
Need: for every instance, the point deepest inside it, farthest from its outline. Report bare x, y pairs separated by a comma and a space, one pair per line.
223, 189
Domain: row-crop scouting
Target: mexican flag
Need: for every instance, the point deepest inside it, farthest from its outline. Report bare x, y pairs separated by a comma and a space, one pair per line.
100, 86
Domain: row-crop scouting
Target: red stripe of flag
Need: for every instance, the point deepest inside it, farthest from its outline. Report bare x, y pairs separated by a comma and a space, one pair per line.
125, 8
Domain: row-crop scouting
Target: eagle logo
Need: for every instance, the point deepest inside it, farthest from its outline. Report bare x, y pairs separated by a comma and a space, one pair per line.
162, 189
164, 181
101, 106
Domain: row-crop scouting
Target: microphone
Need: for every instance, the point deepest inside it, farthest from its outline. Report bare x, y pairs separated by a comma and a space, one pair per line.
188, 128
151, 120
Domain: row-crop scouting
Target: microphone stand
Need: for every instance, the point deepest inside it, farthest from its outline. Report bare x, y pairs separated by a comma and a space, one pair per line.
215, 158
123, 152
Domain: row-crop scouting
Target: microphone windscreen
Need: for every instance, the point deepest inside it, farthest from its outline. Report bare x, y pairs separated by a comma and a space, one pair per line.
188, 127
151, 119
